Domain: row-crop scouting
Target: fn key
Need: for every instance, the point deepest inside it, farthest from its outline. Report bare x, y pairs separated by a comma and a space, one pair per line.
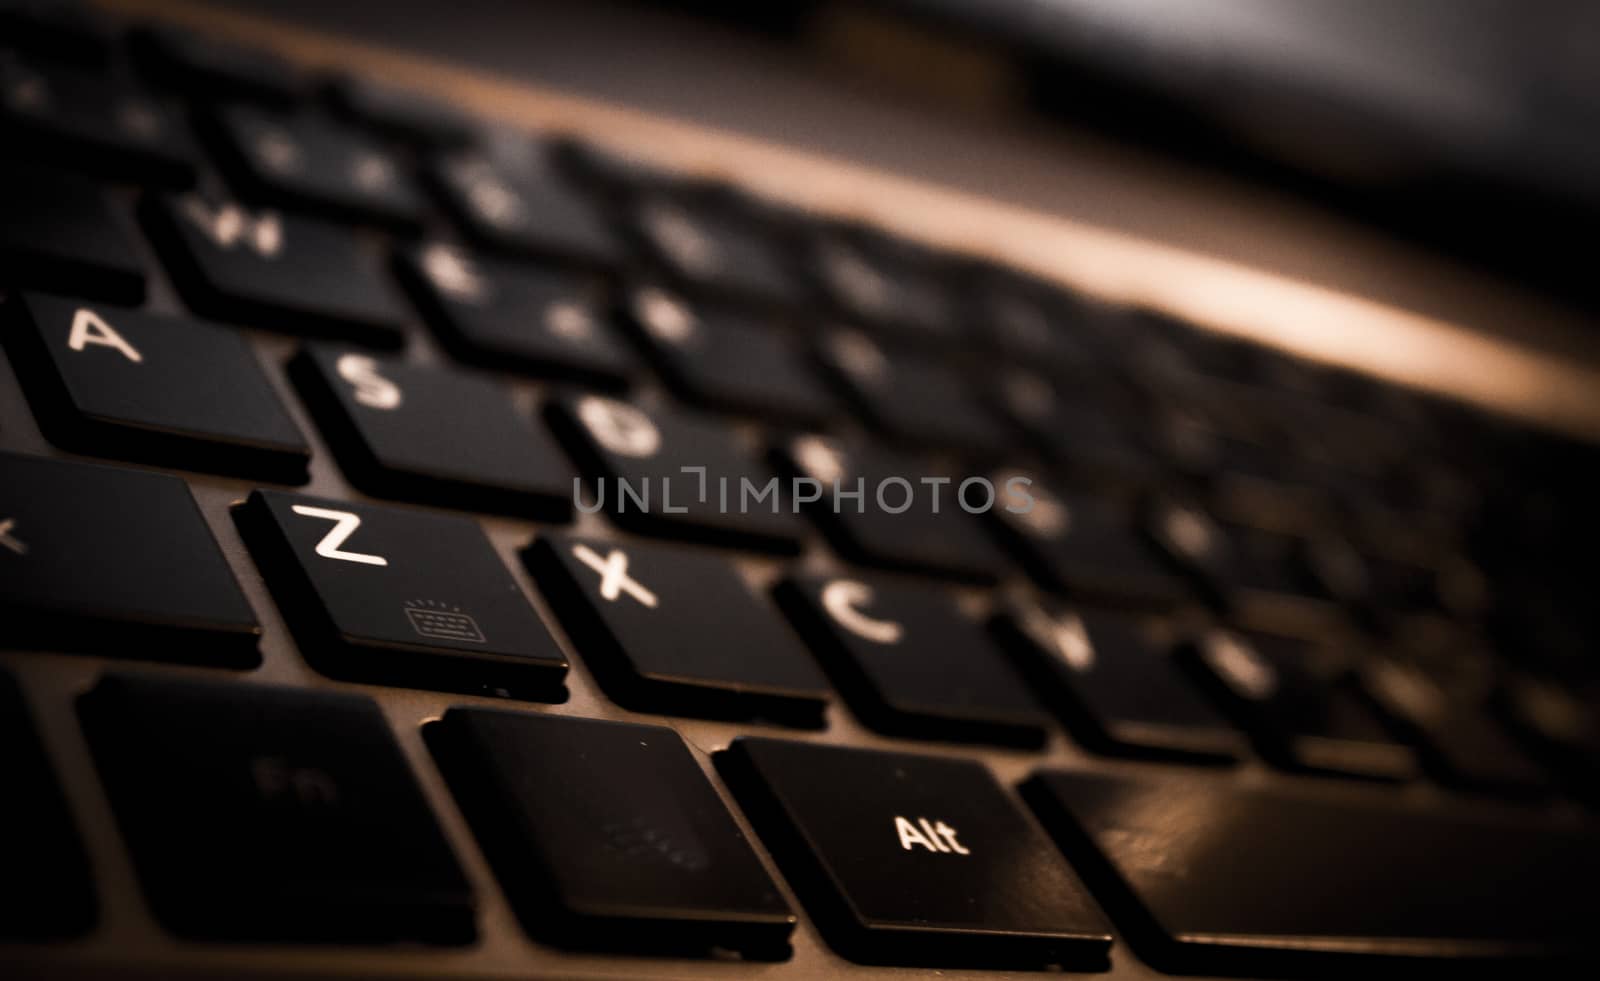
263, 813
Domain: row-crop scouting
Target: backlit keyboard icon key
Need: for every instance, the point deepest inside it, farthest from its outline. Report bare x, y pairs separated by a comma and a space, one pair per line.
430, 619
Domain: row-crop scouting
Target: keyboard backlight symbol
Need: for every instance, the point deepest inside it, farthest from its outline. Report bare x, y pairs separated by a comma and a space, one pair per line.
435, 620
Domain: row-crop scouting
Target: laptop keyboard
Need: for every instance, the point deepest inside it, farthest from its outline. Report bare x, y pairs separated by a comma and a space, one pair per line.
379, 572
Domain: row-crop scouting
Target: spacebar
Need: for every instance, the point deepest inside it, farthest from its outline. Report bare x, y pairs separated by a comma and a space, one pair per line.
1206, 877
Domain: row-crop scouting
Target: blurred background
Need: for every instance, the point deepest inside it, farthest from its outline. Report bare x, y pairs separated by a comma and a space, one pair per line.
1467, 127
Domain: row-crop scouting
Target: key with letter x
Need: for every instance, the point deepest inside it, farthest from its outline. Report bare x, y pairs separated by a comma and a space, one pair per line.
613, 571
676, 630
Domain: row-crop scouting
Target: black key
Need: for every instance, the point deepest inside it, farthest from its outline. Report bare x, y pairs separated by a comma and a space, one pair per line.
1276, 580
1447, 584
116, 562
431, 433
915, 860
1113, 681
1559, 724
1081, 436
311, 163
1460, 744
1328, 565
910, 663
273, 270
870, 287
255, 812
400, 114
715, 252
726, 361
400, 596
211, 68
1205, 437
607, 835
60, 235
1272, 502
516, 317
49, 893
905, 517
113, 382
1082, 545
534, 212
86, 122
1297, 705
677, 631
674, 474
912, 399
58, 28
1030, 322
1193, 543
616, 169
1269, 883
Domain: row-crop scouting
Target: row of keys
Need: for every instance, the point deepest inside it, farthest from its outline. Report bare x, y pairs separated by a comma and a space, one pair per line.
421, 599
287, 272
351, 176
609, 835
712, 240
157, 402
860, 264
122, 383
236, 263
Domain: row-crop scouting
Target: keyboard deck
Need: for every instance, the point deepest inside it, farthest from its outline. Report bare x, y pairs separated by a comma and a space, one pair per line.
315, 664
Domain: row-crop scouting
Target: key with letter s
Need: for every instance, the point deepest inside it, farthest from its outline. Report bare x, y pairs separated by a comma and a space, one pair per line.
433, 434
676, 630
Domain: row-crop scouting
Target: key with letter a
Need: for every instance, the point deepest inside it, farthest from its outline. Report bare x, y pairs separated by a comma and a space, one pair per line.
274, 270
113, 382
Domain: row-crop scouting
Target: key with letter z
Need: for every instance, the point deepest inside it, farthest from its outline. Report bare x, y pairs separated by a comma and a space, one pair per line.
404, 597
